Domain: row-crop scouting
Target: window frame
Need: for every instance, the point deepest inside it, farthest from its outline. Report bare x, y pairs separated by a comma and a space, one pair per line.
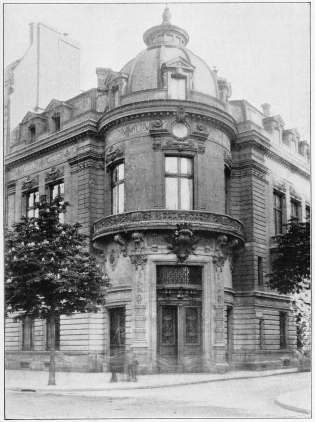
278, 211
295, 204
49, 192
114, 186
54, 119
283, 330
260, 268
32, 133
178, 176
27, 342
227, 189
57, 337
31, 208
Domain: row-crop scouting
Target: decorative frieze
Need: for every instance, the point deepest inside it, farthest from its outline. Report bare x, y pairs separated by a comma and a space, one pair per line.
89, 159
187, 145
164, 219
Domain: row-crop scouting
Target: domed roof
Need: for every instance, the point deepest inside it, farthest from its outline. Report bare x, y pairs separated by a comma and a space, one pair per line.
166, 47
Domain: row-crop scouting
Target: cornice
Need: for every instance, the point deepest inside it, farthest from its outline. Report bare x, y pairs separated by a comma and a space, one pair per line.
280, 160
155, 108
84, 129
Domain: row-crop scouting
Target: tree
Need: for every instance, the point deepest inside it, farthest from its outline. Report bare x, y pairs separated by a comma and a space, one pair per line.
291, 275
291, 267
49, 271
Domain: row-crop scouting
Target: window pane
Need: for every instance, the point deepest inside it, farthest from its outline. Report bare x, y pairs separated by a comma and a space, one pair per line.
186, 193
121, 171
61, 188
185, 165
115, 175
36, 196
36, 212
114, 198
171, 165
121, 197
29, 213
171, 193
54, 191
61, 218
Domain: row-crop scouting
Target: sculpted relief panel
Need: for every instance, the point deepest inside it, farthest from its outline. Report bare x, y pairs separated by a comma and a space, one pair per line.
129, 130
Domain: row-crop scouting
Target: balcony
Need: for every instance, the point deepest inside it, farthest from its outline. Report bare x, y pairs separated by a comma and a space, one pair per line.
167, 219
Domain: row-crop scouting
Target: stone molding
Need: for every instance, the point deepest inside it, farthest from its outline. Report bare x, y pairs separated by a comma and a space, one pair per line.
53, 142
279, 185
160, 108
166, 219
85, 160
280, 160
11, 187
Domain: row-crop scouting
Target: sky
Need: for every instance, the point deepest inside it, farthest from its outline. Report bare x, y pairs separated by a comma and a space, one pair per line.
263, 49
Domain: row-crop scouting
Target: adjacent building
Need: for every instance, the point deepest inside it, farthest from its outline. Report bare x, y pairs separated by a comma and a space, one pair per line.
184, 194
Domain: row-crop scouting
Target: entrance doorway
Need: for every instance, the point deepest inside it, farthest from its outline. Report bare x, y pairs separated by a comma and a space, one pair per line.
179, 328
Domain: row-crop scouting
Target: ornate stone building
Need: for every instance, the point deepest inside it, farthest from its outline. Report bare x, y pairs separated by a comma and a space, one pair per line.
183, 193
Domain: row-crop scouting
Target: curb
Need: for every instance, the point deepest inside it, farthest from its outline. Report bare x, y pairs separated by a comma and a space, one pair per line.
294, 408
143, 387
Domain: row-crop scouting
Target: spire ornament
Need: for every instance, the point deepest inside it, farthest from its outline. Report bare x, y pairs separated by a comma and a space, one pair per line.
166, 16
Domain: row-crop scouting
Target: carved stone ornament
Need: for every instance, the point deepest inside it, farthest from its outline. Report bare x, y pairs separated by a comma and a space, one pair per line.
54, 174
157, 145
138, 240
157, 123
181, 115
122, 243
180, 145
294, 194
113, 154
279, 185
138, 260
183, 242
113, 258
30, 183
224, 249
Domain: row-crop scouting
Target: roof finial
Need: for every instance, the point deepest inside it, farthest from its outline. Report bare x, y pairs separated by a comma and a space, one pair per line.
166, 16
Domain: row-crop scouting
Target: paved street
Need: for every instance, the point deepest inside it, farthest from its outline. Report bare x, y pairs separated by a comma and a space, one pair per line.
230, 399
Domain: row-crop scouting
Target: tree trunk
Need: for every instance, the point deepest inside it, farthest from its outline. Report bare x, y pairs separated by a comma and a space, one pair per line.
52, 366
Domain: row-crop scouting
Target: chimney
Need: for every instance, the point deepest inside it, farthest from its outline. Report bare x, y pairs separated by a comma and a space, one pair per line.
266, 109
32, 32
102, 73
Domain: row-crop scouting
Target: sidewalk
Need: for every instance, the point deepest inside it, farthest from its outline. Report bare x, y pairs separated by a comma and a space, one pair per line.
79, 381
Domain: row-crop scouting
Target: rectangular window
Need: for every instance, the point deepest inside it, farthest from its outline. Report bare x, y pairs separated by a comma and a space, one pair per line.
57, 190
177, 88
31, 199
278, 212
307, 213
32, 133
178, 183
227, 181
295, 211
260, 271
55, 120
118, 189
261, 333
56, 327
27, 334
283, 330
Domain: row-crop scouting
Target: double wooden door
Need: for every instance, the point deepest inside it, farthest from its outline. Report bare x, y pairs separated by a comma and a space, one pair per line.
179, 338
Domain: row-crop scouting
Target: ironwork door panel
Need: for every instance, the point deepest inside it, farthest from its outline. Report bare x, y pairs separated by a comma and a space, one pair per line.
168, 338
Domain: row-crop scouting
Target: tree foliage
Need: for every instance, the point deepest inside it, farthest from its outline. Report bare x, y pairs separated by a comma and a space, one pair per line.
291, 267
48, 269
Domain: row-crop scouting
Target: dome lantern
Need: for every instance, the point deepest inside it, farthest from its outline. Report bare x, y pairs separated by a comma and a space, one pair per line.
166, 33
